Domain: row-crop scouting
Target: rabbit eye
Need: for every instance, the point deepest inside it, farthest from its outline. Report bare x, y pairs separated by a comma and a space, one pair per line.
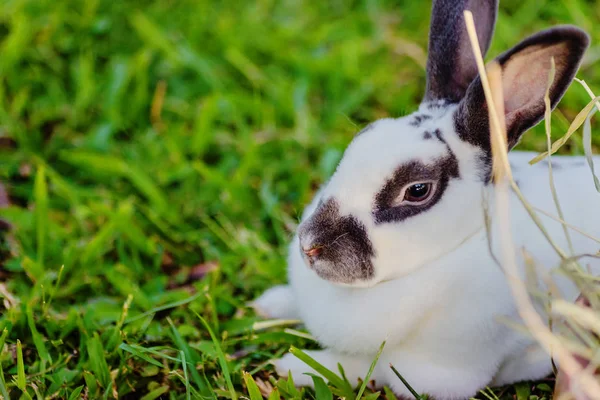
416, 194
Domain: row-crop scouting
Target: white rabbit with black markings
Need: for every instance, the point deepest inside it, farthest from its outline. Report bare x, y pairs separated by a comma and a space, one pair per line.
394, 246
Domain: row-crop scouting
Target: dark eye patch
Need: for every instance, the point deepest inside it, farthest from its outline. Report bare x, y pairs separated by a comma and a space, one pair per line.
441, 171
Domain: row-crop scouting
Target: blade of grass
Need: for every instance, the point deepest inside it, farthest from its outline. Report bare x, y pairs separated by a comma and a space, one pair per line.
202, 385
577, 122
275, 395
262, 325
125, 311
291, 387
21, 381
109, 165
185, 375
324, 371
21, 378
547, 126
389, 394
41, 216
157, 353
587, 147
97, 360
90, 383
322, 392
343, 373
253, 390
302, 335
220, 355
99, 243
3, 389
108, 391
163, 308
38, 341
54, 290
115, 338
3, 339
156, 393
405, 383
523, 391
489, 394
587, 135
371, 368
76, 393
139, 354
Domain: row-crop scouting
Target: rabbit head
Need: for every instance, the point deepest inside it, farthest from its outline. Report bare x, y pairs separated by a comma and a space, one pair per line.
409, 190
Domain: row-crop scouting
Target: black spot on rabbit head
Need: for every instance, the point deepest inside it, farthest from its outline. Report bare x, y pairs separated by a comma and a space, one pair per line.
437, 104
436, 134
336, 246
419, 119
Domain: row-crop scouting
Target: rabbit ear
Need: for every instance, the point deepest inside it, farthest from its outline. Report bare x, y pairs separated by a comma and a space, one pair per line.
451, 65
525, 70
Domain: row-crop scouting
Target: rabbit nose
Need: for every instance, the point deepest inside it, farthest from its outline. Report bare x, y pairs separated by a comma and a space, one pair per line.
312, 252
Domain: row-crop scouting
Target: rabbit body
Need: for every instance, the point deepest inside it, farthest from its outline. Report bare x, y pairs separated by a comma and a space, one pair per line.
440, 322
395, 246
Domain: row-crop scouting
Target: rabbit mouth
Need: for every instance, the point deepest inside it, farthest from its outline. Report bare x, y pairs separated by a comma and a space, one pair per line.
336, 247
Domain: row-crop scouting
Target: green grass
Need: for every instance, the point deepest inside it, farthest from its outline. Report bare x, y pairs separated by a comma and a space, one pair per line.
141, 140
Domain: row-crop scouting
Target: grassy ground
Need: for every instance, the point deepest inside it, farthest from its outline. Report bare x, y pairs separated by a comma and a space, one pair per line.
157, 155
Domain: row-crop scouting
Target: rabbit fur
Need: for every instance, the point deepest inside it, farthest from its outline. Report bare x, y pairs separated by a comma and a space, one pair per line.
368, 265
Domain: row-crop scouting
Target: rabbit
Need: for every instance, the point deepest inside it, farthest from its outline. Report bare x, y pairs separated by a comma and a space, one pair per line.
395, 246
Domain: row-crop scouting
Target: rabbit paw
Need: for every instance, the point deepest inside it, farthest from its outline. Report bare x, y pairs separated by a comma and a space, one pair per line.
277, 302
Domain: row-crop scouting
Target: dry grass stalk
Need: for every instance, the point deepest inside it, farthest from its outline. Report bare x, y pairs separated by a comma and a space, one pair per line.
572, 227
581, 377
563, 389
547, 119
587, 134
577, 122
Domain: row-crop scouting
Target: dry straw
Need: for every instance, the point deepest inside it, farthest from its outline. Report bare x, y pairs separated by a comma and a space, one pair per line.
583, 381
